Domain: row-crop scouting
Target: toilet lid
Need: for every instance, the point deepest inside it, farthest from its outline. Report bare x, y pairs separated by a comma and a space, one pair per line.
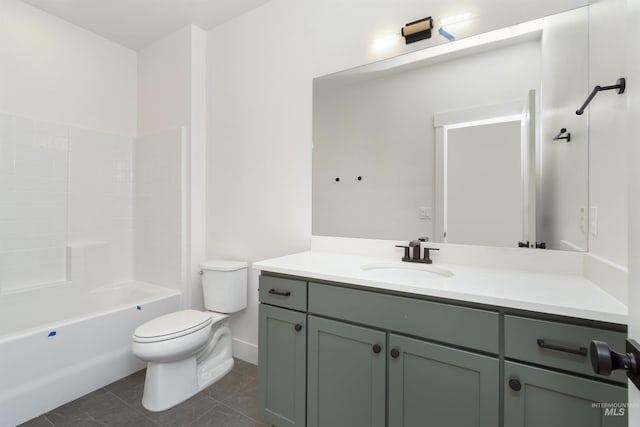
172, 325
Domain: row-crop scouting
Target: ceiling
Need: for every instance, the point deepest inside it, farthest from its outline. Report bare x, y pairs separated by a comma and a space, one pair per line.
137, 23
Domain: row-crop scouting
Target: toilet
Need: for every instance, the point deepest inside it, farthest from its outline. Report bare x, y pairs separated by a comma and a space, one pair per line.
188, 350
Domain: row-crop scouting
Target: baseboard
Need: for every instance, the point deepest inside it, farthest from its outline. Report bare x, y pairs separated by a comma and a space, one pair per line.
245, 351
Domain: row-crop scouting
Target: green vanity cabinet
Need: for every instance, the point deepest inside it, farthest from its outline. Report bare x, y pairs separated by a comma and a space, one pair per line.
346, 375
432, 384
282, 367
337, 355
536, 397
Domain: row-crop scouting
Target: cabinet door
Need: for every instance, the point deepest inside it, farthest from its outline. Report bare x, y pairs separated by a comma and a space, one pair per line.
435, 385
281, 366
346, 375
536, 397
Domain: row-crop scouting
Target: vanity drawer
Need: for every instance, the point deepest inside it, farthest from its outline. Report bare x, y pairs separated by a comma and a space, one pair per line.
557, 345
461, 326
287, 293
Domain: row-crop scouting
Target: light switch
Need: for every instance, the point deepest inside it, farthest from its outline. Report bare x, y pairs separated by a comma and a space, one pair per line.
425, 212
593, 220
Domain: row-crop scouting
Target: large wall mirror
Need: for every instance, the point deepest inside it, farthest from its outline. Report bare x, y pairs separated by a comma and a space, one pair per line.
461, 142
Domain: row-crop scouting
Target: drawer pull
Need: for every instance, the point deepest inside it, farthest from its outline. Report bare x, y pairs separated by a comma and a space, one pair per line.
581, 351
515, 385
377, 348
298, 327
279, 292
395, 353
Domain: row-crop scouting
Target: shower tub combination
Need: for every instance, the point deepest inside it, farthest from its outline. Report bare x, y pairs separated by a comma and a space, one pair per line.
58, 343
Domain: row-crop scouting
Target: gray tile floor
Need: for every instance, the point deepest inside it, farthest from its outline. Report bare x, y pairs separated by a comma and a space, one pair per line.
231, 402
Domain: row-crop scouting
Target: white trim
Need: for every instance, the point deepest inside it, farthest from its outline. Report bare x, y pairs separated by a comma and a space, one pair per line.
488, 113
246, 351
440, 185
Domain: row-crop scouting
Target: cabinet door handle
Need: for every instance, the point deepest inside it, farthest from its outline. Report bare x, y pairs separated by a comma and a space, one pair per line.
279, 292
515, 385
298, 327
395, 353
377, 348
581, 351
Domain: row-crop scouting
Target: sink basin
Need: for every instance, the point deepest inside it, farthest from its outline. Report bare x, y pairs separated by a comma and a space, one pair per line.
405, 271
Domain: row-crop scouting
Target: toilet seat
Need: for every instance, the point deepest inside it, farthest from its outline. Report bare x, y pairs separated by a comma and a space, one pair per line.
172, 326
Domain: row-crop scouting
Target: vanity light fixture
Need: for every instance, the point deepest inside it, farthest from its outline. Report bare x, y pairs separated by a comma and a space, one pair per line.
417, 30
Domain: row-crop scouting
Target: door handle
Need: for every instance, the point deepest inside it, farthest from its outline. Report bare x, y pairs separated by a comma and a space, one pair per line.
581, 351
279, 292
604, 360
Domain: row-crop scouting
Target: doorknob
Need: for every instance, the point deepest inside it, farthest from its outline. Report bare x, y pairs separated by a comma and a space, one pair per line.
604, 360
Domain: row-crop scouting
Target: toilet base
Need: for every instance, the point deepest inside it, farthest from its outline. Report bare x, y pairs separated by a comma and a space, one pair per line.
170, 383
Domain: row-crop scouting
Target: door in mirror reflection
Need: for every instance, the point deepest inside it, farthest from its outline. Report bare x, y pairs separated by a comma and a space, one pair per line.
484, 185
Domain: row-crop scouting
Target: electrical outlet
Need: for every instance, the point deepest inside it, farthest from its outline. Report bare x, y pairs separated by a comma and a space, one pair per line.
425, 212
583, 220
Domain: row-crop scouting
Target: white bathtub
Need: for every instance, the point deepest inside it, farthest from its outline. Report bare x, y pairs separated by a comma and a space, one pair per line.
59, 343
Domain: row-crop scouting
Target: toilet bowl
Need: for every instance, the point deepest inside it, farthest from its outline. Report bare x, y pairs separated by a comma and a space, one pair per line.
188, 350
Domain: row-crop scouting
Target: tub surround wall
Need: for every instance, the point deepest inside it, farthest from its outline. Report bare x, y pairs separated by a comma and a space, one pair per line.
65, 93
33, 201
100, 195
60, 185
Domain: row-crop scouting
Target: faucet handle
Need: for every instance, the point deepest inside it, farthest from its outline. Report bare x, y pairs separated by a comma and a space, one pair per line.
406, 251
423, 239
427, 258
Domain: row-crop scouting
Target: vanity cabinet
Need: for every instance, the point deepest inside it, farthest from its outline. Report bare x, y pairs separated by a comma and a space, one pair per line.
336, 355
347, 375
282, 368
536, 397
432, 384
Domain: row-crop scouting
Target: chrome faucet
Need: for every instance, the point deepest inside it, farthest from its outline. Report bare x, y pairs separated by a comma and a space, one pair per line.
415, 244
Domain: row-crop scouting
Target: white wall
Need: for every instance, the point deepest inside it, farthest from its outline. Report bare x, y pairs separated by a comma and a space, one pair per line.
53, 71
608, 135
172, 95
160, 208
383, 130
163, 83
261, 67
564, 165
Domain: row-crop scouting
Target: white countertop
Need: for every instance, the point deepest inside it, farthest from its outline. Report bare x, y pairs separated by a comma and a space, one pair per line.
551, 293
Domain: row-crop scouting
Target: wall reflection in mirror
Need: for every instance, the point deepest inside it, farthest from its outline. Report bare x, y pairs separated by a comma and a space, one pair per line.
460, 142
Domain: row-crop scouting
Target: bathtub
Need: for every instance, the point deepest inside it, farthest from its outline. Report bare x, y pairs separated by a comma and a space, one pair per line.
61, 342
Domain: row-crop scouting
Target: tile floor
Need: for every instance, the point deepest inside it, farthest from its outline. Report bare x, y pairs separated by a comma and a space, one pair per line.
231, 402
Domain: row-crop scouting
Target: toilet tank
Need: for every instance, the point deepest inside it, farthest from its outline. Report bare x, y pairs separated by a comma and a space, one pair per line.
224, 285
